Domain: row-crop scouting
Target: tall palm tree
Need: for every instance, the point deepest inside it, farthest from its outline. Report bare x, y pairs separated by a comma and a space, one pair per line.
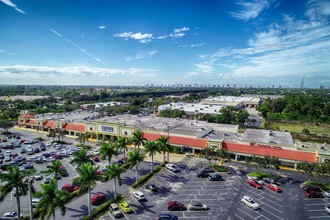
134, 159
55, 169
82, 137
121, 144
52, 134
81, 157
50, 199
137, 139
14, 178
108, 150
164, 146
87, 179
152, 148
113, 172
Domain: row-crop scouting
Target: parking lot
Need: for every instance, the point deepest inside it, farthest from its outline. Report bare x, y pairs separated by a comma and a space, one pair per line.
222, 197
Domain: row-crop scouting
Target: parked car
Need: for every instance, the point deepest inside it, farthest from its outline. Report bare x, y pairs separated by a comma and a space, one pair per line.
23, 151
312, 187
249, 202
327, 209
15, 192
115, 211
96, 159
274, 187
101, 171
7, 159
27, 165
19, 159
207, 170
313, 194
151, 187
38, 176
69, 187
30, 151
11, 215
95, 151
46, 179
326, 194
2, 156
35, 202
172, 167
255, 184
165, 216
139, 195
197, 206
175, 206
215, 177
202, 174
268, 180
98, 198
125, 207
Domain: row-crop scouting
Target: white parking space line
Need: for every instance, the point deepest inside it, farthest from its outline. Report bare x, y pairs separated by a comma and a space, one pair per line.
316, 210
247, 213
271, 214
271, 201
314, 204
271, 207
322, 216
239, 217
274, 197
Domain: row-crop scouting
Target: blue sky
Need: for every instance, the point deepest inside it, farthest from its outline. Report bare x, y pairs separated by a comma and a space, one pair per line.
132, 42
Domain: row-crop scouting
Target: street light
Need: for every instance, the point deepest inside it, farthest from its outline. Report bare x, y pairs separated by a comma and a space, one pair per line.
168, 142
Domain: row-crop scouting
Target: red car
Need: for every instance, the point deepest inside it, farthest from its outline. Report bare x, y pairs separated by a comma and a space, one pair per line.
98, 198
69, 187
57, 156
175, 205
313, 194
96, 159
254, 184
274, 187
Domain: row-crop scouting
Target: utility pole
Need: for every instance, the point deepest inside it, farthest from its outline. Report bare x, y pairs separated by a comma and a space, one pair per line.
30, 197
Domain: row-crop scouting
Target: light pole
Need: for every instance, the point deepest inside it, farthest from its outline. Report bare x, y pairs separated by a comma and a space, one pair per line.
168, 142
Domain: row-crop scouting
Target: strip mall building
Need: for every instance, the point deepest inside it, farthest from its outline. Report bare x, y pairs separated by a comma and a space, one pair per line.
190, 134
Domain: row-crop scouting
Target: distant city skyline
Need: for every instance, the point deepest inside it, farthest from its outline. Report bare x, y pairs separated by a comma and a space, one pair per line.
130, 42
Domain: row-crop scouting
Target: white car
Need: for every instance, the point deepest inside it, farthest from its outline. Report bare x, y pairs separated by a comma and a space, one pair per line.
249, 202
7, 159
139, 195
326, 194
197, 206
327, 209
95, 151
35, 202
38, 176
172, 167
11, 215
8, 153
21, 168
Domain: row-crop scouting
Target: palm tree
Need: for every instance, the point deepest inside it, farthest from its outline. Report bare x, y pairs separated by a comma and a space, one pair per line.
108, 150
87, 179
82, 137
113, 172
14, 178
121, 144
164, 146
134, 159
81, 157
50, 199
152, 148
55, 169
137, 139
52, 134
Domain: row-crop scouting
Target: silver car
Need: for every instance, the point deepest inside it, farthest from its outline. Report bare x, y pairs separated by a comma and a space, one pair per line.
197, 206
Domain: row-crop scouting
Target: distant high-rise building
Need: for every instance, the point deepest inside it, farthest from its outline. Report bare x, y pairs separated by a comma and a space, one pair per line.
321, 87
302, 83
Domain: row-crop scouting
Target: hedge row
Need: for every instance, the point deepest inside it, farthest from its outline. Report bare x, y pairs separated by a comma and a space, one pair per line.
219, 168
324, 186
146, 177
102, 208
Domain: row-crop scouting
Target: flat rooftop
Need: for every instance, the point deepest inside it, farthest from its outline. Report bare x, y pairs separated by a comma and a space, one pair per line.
268, 137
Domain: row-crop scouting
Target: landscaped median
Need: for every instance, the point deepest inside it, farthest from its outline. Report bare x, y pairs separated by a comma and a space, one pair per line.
323, 186
260, 175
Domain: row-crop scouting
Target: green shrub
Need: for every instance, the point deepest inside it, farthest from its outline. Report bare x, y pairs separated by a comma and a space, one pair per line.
260, 175
324, 186
102, 208
146, 177
219, 168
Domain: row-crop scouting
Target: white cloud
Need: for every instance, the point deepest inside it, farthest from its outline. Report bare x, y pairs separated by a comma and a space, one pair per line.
250, 10
9, 3
192, 45
71, 71
55, 32
291, 49
102, 27
142, 55
143, 38
3, 51
317, 9
178, 30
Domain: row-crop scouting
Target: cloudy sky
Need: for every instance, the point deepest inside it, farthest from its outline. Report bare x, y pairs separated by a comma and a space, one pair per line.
139, 42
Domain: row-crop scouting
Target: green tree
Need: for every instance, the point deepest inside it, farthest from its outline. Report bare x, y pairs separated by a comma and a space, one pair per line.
81, 157
121, 144
6, 124
134, 159
55, 168
50, 199
108, 150
152, 148
241, 116
113, 172
82, 138
307, 168
14, 178
164, 146
208, 153
137, 139
87, 179
51, 134
305, 131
